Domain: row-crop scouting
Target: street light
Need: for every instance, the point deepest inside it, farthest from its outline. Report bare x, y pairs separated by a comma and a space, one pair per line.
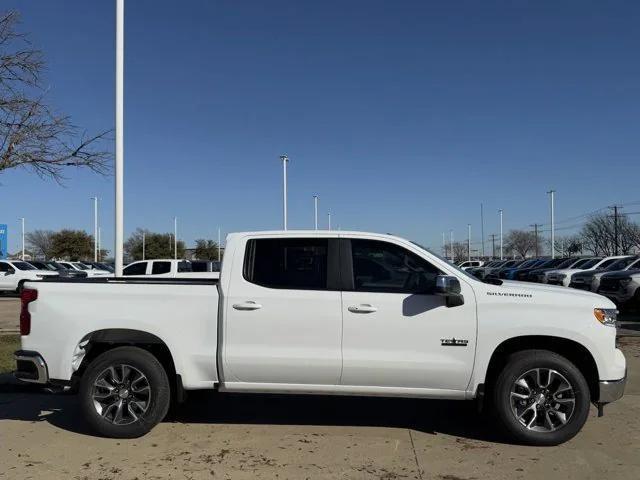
553, 226
329, 215
315, 211
501, 251
175, 238
285, 160
95, 228
119, 160
22, 220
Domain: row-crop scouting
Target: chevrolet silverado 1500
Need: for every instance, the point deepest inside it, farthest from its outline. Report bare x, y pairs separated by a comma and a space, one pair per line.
326, 313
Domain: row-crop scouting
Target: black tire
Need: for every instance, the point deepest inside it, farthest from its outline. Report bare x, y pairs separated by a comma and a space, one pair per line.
20, 287
521, 363
136, 361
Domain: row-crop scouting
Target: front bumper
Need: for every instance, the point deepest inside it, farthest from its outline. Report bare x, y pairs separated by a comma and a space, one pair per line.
580, 286
31, 367
611, 390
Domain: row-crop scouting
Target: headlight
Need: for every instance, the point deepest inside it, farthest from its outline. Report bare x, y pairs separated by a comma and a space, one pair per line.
561, 276
624, 282
606, 316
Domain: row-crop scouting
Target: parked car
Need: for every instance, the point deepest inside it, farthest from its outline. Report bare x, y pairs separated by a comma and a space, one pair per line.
541, 275
622, 287
14, 273
590, 280
523, 273
480, 271
495, 272
56, 267
470, 264
562, 276
205, 266
168, 268
510, 273
99, 266
81, 267
326, 313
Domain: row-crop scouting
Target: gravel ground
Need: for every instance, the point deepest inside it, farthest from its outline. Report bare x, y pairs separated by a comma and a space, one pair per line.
269, 436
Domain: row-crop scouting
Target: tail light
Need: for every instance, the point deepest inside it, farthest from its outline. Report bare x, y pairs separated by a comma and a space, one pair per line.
28, 295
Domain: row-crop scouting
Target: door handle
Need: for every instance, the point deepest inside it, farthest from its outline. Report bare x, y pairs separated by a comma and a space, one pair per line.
362, 308
249, 305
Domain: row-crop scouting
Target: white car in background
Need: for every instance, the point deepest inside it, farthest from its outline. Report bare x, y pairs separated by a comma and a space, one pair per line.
563, 277
471, 264
91, 272
13, 274
165, 268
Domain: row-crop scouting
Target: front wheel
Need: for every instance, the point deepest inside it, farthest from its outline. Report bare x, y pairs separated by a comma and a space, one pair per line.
124, 393
541, 398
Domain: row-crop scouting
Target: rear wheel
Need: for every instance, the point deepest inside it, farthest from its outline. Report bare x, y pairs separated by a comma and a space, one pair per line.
541, 398
124, 393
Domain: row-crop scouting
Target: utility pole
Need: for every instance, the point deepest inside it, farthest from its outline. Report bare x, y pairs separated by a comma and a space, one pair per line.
285, 160
315, 211
119, 163
501, 238
482, 227
469, 242
451, 245
493, 246
175, 238
22, 220
615, 209
535, 227
553, 225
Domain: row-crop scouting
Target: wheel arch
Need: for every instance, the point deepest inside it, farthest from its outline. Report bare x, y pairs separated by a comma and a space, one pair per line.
573, 351
99, 341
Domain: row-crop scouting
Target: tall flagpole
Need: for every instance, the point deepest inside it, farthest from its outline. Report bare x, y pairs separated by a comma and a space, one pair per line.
119, 164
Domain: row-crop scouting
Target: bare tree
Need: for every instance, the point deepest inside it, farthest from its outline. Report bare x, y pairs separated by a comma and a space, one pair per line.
460, 251
32, 134
521, 242
599, 235
40, 242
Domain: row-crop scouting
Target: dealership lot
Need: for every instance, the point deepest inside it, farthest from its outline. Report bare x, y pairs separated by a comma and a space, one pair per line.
268, 436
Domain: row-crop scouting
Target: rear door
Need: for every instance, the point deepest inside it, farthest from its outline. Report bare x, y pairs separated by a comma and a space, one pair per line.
397, 333
283, 318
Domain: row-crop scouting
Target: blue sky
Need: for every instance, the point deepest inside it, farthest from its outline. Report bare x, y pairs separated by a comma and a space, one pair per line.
402, 116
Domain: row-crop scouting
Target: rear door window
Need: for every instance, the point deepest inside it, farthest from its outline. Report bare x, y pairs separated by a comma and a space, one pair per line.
139, 268
158, 268
287, 263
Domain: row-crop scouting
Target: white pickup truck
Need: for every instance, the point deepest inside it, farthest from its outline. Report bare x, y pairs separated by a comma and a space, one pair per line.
342, 313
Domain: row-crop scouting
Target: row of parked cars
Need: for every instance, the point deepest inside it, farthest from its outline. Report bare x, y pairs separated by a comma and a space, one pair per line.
14, 273
616, 277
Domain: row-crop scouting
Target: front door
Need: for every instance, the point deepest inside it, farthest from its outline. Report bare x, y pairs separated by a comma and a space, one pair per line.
283, 320
397, 333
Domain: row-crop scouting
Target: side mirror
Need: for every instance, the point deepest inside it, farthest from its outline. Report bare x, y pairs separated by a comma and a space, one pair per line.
449, 287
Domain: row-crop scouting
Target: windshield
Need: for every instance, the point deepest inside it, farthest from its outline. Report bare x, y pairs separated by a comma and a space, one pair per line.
24, 266
80, 266
577, 263
588, 264
458, 269
621, 264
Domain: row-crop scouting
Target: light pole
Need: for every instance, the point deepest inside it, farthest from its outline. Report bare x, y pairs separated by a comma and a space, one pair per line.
22, 220
552, 193
285, 160
219, 245
451, 245
315, 211
119, 161
99, 243
175, 238
329, 215
469, 242
501, 249
95, 228
482, 227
